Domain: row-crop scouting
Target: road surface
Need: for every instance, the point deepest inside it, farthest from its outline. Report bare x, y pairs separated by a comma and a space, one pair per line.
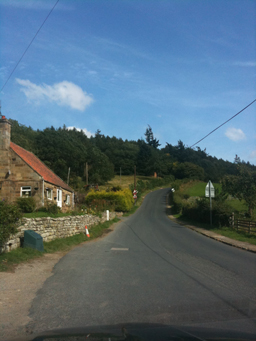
150, 269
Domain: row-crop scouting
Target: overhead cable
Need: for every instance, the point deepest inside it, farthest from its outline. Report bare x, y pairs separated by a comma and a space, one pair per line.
222, 124
15, 67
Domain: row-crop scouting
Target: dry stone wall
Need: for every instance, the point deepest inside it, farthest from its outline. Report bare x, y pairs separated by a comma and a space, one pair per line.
52, 228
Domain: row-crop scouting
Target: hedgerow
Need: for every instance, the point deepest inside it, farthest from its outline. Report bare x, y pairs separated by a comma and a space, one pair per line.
118, 201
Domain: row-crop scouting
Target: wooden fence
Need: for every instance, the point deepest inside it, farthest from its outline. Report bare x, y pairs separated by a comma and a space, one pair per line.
243, 225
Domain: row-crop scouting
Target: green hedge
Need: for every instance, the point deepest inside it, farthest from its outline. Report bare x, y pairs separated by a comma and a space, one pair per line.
200, 211
10, 216
119, 201
26, 205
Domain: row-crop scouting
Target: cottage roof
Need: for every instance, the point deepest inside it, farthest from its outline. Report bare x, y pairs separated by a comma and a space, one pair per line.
39, 167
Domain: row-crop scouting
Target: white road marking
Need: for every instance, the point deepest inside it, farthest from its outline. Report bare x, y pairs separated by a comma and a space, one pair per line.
119, 249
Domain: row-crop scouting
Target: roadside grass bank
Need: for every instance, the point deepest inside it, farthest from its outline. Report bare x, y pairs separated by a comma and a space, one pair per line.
124, 182
9, 260
224, 231
196, 189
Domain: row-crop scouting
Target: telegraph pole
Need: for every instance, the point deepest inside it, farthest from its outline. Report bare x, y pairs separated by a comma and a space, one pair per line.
134, 177
86, 173
68, 175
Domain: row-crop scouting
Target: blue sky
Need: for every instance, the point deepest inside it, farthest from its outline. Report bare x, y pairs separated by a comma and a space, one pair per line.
181, 66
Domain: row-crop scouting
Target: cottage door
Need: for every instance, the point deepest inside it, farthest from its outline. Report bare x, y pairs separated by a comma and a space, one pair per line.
59, 197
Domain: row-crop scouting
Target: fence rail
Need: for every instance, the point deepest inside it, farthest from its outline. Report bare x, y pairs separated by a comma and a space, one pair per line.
243, 225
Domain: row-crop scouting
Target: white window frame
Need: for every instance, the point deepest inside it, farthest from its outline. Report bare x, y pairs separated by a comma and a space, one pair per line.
25, 189
49, 191
67, 199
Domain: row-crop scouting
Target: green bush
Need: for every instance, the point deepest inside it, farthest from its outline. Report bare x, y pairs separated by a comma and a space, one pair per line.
176, 202
10, 216
200, 211
42, 209
121, 200
26, 205
52, 208
116, 189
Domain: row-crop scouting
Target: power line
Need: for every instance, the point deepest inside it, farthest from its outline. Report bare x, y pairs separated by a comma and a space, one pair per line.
223, 123
15, 67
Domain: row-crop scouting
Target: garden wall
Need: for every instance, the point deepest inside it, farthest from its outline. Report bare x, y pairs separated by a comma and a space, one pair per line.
52, 228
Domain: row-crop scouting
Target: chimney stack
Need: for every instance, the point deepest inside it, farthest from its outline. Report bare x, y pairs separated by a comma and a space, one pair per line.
5, 133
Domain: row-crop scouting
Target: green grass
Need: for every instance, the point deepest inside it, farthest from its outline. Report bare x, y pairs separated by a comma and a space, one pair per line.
197, 189
126, 181
17, 256
224, 231
237, 235
46, 214
10, 259
237, 205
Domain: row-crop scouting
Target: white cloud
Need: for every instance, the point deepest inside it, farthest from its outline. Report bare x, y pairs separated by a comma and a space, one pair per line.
253, 155
235, 134
64, 93
245, 64
85, 131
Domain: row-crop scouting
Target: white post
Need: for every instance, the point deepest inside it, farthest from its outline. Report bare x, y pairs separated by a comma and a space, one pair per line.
107, 215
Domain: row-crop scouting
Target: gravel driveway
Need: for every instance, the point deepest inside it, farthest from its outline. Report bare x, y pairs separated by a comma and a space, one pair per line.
17, 291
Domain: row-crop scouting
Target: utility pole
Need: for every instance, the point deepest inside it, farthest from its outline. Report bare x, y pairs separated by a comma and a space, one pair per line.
68, 175
134, 177
86, 173
120, 176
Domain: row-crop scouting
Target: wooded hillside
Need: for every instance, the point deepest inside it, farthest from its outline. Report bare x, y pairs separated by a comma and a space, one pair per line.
62, 148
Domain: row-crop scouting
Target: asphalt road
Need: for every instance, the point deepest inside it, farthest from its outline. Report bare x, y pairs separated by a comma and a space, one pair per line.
149, 269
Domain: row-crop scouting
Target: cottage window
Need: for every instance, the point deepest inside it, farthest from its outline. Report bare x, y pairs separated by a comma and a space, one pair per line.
49, 193
68, 199
25, 191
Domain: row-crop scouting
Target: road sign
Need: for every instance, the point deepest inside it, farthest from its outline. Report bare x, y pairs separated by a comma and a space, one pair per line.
134, 196
210, 193
209, 190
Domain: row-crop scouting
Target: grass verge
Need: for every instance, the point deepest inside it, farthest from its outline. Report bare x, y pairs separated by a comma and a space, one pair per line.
46, 214
10, 259
224, 231
237, 235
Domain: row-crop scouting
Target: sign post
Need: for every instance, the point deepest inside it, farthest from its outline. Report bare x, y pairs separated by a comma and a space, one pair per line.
210, 193
134, 194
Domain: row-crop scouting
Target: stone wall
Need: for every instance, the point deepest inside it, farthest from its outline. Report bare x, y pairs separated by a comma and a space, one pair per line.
52, 228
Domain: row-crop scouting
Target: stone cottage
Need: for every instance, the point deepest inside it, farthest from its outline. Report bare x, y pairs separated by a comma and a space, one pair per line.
22, 174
